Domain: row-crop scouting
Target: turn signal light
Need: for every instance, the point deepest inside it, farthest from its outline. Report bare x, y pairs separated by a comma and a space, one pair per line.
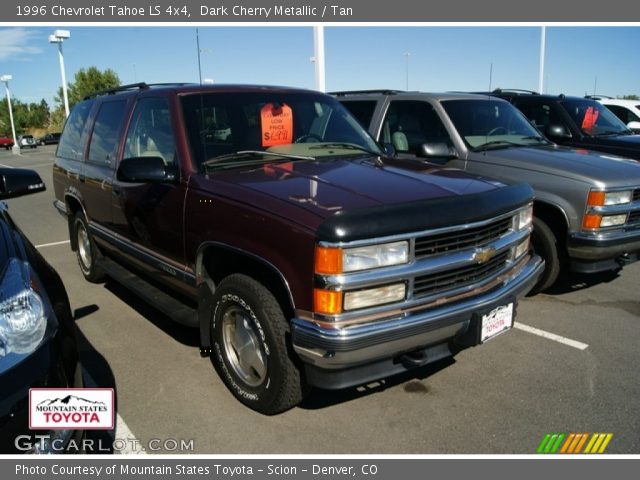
328, 260
328, 302
591, 220
596, 199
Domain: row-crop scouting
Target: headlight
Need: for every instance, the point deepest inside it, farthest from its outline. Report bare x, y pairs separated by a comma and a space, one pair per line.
600, 199
331, 260
524, 217
22, 318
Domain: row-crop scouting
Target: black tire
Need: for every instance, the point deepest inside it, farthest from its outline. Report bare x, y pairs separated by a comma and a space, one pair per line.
545, 244
264, 378
87, 253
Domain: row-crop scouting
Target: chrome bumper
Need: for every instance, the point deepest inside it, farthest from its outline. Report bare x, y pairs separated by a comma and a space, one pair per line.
343, 348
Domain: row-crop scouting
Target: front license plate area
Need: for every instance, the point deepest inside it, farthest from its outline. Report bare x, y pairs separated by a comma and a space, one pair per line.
497, 321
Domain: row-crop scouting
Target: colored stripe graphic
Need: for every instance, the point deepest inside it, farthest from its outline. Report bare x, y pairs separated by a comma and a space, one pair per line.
574, 442
550, 443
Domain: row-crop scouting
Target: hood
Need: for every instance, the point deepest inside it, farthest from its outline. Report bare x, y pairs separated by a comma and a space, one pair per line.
326, 186
585, 165
623, 145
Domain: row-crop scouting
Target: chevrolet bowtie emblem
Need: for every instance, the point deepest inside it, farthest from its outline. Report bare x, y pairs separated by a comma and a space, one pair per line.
483, 255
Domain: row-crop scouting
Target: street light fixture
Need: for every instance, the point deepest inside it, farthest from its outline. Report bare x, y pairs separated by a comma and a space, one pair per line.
58, 37
16, 148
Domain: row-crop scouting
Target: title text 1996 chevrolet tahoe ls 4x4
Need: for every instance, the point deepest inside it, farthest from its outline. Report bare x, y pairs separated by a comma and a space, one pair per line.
269, 219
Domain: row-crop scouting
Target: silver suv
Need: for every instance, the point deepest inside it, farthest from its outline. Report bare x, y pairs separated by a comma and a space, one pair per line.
27, 141
587, 207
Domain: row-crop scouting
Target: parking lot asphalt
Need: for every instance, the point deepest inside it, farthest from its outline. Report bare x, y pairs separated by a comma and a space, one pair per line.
501, 397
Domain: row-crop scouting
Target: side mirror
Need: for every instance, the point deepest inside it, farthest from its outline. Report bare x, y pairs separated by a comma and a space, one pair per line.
15, 182
388, 149
557, 132
437, 150
145, 169
635, 126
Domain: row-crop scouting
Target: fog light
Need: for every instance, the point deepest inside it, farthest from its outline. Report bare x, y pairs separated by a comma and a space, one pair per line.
374, 296
613, 220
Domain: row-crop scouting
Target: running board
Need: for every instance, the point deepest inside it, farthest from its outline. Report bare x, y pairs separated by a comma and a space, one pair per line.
158, 299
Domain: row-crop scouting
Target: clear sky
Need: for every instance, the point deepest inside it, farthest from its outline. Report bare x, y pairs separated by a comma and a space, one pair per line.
442, 58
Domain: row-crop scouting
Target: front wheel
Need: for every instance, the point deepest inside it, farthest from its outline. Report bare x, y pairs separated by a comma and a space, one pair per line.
86, 251
249, 337
545, 244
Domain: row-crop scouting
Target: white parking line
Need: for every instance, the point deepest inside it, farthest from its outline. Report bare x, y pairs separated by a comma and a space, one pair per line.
550, 336
52, 244
125, 436
6, 166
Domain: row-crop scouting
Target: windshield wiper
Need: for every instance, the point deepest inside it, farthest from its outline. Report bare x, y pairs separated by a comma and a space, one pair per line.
613, 132
352, 146
499, 142
535, 137
251, 153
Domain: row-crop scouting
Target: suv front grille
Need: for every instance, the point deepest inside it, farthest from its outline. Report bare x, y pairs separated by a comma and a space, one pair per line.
636, 195
461, 239
634, 217
460, 277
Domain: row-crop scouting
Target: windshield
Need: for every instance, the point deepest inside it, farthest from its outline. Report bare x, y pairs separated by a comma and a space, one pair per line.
234, 129
489, 123
593, 118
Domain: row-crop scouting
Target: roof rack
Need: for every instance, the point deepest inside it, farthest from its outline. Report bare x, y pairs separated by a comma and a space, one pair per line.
361, 92
121, 88
598, 97
517, 91
132, 86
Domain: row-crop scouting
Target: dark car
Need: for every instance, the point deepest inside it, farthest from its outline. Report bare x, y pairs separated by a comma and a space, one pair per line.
575, 122
269, 219
49, 139
37, 333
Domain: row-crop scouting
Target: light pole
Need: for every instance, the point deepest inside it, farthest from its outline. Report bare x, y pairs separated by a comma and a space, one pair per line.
407, 55
16, 148
58, 37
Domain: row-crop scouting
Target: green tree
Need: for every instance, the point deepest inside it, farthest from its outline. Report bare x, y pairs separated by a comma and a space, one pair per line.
86, 82
630, 97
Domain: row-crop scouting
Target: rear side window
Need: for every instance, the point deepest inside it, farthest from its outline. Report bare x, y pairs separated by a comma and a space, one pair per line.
104, 140
362, 110
70, 145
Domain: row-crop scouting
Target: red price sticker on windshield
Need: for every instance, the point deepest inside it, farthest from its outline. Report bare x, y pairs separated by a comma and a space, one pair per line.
590, 118
277, 124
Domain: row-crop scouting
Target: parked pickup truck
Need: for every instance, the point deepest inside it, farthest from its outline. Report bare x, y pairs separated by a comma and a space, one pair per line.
587, 206
302, 254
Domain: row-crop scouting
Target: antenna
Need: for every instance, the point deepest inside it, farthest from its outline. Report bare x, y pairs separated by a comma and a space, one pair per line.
490, 74
198, 47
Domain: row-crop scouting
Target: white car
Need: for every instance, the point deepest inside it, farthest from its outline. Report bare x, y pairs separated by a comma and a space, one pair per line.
626, 110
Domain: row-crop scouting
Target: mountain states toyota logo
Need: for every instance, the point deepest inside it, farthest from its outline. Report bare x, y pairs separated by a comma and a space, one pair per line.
71, 408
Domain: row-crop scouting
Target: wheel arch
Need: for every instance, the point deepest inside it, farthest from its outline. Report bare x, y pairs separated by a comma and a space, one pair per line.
217, 260
73, 205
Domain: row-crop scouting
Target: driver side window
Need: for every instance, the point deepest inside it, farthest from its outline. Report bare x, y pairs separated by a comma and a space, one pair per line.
410, 124
150, 133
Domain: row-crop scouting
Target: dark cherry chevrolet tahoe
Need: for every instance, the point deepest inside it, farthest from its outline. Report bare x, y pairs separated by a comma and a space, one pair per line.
270, 220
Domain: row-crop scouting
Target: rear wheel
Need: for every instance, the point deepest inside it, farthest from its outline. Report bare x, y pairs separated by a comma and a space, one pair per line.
545, 244
87, 251
250, 352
